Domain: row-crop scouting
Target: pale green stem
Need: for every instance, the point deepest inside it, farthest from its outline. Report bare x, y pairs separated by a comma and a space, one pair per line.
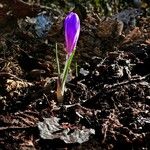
66, 70
61, 81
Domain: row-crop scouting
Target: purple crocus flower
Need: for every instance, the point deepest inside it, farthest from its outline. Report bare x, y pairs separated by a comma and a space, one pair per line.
72, 31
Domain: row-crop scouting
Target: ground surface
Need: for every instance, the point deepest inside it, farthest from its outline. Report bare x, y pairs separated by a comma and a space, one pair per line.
107, 98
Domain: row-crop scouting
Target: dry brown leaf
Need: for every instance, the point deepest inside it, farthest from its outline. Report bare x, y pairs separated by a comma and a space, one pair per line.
110, 28
18, 8
147, 41
11, 10
132, 36
12, 85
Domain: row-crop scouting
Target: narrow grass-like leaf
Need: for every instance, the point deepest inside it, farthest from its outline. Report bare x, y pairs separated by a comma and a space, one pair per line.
66, 70
57, 60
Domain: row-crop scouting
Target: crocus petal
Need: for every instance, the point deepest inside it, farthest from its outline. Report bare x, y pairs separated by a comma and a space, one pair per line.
72, 31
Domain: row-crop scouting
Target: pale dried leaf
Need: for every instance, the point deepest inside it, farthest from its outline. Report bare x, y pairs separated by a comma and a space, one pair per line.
51, 129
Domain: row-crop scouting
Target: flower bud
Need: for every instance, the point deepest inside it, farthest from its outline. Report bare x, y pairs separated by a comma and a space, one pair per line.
72, 31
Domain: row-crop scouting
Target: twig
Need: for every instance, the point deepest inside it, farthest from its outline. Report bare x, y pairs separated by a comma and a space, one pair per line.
126, 82
8, 75
78, 106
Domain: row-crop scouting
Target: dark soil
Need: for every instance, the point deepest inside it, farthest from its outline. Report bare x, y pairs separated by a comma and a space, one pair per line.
108, 88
